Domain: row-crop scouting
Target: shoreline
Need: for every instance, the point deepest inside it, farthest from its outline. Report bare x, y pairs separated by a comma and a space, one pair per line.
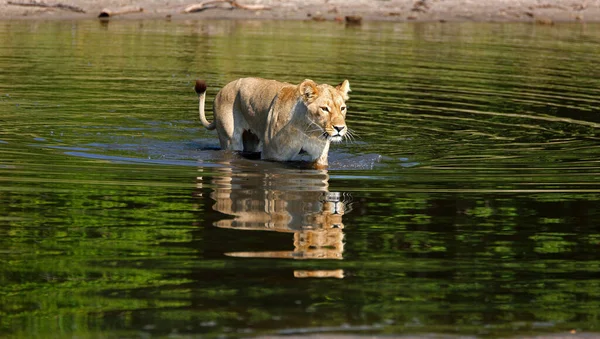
534, 11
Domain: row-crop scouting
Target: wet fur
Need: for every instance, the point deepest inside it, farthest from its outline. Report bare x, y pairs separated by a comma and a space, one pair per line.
278, 119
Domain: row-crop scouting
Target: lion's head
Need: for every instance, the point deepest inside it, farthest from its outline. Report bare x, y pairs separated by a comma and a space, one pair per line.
326, 109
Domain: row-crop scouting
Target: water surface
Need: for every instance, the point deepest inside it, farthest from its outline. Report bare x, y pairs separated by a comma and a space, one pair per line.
468, 205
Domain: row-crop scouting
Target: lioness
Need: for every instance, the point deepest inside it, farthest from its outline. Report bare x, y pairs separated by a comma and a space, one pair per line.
278, 119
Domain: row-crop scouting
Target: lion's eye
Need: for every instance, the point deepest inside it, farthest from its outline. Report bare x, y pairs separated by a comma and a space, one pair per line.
343, 108
325, 109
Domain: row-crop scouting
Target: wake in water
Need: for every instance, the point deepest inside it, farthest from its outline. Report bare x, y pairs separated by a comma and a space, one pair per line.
206, 151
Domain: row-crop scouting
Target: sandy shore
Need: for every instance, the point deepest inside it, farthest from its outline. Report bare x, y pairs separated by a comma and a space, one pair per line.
540, 11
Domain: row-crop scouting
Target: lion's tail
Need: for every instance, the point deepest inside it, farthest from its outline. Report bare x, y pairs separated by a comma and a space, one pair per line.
200, 88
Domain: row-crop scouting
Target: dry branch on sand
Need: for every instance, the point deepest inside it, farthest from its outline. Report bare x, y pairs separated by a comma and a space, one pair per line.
105, 13
215, 3
45, 5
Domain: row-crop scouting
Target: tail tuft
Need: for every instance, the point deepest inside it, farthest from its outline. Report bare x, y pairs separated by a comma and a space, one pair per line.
200, 86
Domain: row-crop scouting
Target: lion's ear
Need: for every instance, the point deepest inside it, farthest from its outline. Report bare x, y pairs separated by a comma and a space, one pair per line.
344, 88
309, 90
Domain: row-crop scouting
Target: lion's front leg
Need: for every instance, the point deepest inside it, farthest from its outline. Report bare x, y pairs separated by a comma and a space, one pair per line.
321, 161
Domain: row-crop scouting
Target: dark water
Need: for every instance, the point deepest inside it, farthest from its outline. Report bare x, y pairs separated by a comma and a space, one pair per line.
468, 205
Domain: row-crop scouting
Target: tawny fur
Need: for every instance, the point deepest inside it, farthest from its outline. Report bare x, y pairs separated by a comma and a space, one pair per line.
278, 119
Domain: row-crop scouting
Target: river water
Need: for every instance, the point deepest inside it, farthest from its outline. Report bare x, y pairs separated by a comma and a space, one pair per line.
469, 203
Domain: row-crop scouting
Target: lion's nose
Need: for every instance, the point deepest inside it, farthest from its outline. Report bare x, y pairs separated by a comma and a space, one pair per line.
339, 128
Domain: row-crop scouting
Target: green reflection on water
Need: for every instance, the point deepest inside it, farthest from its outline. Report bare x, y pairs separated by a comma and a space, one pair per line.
482, 217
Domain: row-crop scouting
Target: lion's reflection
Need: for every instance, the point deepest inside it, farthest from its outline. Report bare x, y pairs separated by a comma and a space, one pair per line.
267, 196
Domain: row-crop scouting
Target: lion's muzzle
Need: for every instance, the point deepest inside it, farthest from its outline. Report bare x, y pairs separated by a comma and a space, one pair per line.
338, 133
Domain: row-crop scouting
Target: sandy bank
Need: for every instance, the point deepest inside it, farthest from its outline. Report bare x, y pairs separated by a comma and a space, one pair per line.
540, 11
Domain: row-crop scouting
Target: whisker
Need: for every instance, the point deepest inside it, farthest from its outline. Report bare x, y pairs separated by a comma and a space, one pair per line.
313, 131
311, 124
350, 136
353, 133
